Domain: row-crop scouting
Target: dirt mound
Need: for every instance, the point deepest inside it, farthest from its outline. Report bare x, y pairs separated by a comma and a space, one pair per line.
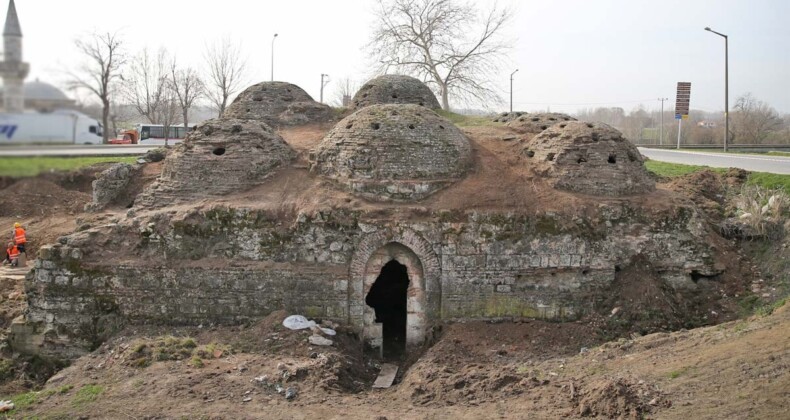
618, 399
37, 197
708, 189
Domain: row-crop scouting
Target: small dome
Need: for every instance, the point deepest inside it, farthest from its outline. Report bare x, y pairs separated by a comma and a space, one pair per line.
42, 91
395, 89
589, 158
219, 157
277, 103
535, 123
393, 152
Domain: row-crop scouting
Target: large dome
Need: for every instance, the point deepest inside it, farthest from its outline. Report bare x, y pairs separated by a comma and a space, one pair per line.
44, 91
393, 152
535, 123
589, 158
277, 103
394, 89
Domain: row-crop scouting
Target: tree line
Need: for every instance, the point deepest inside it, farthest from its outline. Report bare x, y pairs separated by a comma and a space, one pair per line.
752, 121
155, 84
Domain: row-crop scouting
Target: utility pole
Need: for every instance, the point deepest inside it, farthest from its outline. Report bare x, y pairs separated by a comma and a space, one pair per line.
511, 90
661, 127
273, 38
323, 83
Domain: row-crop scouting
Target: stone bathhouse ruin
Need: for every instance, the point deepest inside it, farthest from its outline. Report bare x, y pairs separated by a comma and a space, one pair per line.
394, 89
390, 230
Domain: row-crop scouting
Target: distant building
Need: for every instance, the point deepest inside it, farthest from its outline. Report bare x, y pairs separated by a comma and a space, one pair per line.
19, 96
706, 124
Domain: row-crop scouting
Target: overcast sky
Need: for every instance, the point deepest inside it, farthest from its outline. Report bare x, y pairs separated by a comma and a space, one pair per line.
570, 54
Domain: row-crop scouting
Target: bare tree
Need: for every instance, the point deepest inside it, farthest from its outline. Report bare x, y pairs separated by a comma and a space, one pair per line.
446, 43
344, 91
148, 88
187, 86
104, 58
225, 73
753, 120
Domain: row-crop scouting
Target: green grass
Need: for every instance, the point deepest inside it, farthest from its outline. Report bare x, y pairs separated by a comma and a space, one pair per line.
786, 154
87, 394
762, 179
467, 120
32, 166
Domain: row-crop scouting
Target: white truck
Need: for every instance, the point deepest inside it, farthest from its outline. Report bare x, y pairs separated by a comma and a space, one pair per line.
57, 127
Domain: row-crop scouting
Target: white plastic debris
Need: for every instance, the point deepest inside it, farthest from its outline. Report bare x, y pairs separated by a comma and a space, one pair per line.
297, 322
317, 340
6, 406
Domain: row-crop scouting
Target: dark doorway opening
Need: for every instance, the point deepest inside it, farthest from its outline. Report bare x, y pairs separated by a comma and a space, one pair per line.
387, 297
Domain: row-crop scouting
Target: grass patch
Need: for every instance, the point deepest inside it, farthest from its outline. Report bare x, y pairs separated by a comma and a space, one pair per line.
770, 181
775, 153
87, 394
24, 400
467, 120
31, 166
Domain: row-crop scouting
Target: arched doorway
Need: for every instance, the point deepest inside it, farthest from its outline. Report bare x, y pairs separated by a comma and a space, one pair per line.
387, 297
394, 295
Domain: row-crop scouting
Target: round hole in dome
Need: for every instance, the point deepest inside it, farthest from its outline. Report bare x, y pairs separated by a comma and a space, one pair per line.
590, 125
612, 158
394, 96
535, 119
219, 151
563, 125
422, 104
375, 125
543, 127
530, 153
349, 126
550, 157
411, 126
441, 127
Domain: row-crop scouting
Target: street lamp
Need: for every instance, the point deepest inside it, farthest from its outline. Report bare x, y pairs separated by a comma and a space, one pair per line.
511, 90
726, 87
273, 38
324, 82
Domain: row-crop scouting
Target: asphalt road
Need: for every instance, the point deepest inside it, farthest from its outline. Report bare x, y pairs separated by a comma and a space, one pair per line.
97, 150
755, 163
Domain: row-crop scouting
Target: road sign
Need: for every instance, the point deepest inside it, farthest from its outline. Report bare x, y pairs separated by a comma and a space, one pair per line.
683, 100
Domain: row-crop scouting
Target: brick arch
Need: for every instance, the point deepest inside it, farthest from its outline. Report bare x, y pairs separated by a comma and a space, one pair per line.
385, 245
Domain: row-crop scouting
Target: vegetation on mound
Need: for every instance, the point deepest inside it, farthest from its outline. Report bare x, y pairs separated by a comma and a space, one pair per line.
31, 166
145, 352
763, 179
467, 120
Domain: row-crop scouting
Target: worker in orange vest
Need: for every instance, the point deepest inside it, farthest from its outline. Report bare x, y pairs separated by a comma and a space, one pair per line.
19, 237
11, 255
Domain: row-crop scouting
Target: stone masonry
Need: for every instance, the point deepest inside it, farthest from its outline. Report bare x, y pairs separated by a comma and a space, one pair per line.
278, 104
221, 156
394, 89
112, 183
589, 158
535, 123
393, 152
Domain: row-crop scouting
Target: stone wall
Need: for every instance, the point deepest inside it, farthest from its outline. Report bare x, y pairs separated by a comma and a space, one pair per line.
393, 152
111, 184
534, 123
226, 265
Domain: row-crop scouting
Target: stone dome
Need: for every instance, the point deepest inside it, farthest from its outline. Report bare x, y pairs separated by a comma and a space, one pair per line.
221, 156
535, 123
393, 152
277, 104
394, 89
589, 158
39, 90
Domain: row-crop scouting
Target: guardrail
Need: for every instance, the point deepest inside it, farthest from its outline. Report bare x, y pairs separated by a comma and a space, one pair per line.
765, 147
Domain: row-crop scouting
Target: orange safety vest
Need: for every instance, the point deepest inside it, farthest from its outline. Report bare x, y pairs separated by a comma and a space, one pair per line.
19, 236
13, 252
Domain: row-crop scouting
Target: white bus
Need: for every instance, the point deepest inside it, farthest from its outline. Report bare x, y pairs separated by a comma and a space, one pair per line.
155, 134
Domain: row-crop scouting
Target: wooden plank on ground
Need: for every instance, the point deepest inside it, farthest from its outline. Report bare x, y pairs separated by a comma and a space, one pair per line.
386, 376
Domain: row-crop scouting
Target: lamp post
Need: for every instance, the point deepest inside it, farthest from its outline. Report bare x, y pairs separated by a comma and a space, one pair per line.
661, 127
324, 82
511, 90
273, 38
726, 87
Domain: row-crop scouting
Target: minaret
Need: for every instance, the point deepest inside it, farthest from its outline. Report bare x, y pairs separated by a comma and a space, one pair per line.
12, 69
